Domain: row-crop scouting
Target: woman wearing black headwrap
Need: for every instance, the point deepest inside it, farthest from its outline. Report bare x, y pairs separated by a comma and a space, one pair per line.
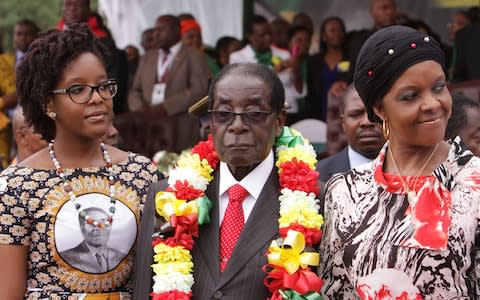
404, 226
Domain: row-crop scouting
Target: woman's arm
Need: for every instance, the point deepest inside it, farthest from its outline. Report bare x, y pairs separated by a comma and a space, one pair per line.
13, 273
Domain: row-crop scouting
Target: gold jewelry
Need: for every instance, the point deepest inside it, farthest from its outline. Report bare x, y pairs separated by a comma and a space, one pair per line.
386, 130
411, 195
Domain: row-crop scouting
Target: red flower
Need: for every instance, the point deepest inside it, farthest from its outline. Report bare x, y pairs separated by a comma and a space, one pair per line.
206, 150
302, 281
276, 296
171, 295
297, 175
185, 191
312, 235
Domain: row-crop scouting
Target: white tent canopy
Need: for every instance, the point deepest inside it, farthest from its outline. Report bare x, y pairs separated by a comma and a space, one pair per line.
127, 19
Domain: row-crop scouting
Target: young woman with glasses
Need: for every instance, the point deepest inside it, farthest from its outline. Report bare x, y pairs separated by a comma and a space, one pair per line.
69, 213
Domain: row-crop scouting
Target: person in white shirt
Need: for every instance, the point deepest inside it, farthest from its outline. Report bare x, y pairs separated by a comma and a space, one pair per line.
260, 50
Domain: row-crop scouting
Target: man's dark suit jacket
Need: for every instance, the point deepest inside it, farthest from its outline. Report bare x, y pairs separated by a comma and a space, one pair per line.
334, 164
467, 47
243, 277
80, 257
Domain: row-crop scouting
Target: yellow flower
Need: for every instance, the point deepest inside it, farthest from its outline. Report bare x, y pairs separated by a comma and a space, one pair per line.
343, 66
164, 254
179, 267
290, 254
200, 166
276, 60
167, 205
299, 151
303, 216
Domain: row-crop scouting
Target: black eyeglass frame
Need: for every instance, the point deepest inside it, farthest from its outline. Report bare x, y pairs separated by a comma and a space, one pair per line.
92, 88
243, 116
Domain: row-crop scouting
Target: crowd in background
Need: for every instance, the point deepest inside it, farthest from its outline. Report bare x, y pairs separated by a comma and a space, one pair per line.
73, 205
285, 46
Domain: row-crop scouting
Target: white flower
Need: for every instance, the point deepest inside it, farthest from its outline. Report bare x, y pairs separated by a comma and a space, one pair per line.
172, 281
190, 175
308, 148
296, 200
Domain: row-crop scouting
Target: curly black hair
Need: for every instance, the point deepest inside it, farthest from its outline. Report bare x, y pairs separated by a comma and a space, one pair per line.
42, 68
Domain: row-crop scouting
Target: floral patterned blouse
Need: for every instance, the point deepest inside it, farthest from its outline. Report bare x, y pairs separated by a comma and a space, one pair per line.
68, 258
382, 243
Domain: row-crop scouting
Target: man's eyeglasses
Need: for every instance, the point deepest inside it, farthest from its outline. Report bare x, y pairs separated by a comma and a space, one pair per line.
82, 93
250, 118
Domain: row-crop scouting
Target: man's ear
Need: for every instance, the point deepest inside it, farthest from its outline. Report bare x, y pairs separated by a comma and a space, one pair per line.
342, 121
280, 121
379, 111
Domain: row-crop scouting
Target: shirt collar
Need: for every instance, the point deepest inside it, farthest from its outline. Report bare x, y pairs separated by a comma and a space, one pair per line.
174, 49
356, 158
253, 182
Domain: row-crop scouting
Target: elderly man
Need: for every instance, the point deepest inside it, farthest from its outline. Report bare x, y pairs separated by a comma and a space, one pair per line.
364, 138
169, 79
26, 140
244, 144
93, 254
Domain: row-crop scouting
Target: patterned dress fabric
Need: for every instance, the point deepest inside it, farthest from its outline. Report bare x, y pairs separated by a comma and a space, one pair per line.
378, 245
65, 259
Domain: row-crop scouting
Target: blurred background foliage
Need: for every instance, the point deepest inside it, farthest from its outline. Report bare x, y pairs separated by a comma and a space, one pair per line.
45, 13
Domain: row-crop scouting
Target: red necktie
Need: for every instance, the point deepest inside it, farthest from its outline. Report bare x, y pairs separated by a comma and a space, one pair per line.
232, 224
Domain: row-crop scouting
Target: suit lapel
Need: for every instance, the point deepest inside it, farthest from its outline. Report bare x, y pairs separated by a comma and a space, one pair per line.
149, 78
208, 242
177, 61
261, 227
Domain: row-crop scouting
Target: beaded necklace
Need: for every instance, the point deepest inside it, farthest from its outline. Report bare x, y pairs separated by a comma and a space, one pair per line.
68, 188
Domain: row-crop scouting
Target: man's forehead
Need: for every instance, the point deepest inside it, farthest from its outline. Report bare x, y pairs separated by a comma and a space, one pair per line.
353, 101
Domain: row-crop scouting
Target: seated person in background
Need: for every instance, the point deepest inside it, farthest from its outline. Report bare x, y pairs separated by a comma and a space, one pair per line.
111, 137
295, 85
465, 122
27, 141
365, 138
148, 39
225, 46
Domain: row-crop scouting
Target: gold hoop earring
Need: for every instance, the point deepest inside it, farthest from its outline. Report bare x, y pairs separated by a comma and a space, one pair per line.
386, 130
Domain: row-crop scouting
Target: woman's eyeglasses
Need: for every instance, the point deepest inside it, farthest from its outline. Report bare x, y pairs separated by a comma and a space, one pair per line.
82, 93
250, 118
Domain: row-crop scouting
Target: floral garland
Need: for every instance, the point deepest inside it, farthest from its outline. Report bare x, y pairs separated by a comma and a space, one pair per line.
184, 206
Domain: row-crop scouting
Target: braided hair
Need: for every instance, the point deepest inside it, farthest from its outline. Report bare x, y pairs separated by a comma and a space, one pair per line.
43, 66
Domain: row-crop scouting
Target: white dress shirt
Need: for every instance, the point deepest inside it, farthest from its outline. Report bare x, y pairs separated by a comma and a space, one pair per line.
356, 159
253, 183
163, 65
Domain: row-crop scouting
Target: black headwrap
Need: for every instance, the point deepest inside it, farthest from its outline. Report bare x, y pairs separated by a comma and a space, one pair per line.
385, 56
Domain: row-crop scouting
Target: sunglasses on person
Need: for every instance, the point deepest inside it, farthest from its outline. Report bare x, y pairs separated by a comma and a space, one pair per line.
250, 118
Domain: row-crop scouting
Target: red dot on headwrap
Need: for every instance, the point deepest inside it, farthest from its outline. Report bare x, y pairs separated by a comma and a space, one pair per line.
370, 73
413, 45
